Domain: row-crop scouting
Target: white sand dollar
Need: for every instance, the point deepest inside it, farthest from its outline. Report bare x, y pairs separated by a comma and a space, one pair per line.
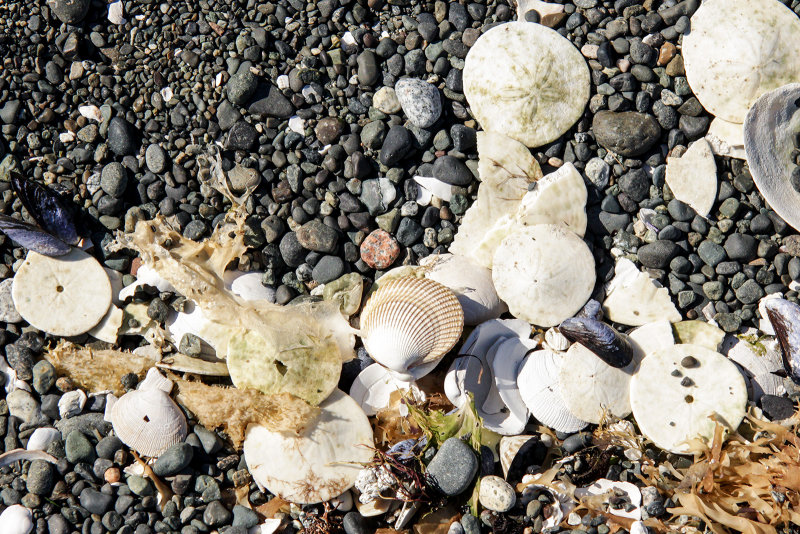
738, 50
676, 391
545, 273
526, 81
558, 198
317, 465
63, 296
693, 177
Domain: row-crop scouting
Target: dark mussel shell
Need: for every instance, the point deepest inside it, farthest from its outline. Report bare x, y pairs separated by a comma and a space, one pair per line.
785, 319
32, 238
609, 345
592, 310
46, 206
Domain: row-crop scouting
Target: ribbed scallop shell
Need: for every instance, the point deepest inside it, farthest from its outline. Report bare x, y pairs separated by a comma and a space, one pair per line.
148, 421
410, 322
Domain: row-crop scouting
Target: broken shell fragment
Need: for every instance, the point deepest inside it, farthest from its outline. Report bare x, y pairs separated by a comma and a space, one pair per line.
552, 282
726, 138
527, 81
613, 490
42, 437
692, 178
699, 333
373, 387
785, 319
557, 198
318, 464
410, 322
651, 337
503, 411
679, 392
769, 131
472, 284
559, 506
633, 299
600, 338
16, 519
737, 50
64, 296
510, 446
759, 364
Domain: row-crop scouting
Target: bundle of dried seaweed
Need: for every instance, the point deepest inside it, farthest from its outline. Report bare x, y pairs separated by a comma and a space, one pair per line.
96, 370
233, 409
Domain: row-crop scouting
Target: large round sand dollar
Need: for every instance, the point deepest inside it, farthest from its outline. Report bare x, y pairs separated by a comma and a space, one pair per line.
526, 81
676, 391
544, 272
317, 465
738, 50
64, 296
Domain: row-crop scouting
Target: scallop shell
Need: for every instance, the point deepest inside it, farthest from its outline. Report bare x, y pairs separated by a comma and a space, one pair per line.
768, 140
16, 519
410, 322
148, 420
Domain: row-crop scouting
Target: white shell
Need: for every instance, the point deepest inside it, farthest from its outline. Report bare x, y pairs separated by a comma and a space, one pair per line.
693, 177
669, 413
42, 437
145, 275
768, 131
11, 382
108, 328
739, 49
558, 198
409, 322
436, 187
555, 340
633, 299
545, 273
650, 337
606, 486
509, 447
374, 385
699, 333
71, 403
90, 112
194, 322
248, 285
561, 504
764, 324
16, 519
148, 420
471, 283
540, 390
526, 81
758, 368
63, 296
726, 138
543, 8
504, 362
318, 464
591, 388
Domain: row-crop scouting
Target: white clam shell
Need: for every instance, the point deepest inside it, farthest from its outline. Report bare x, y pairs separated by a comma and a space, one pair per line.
145, 275
42, 437
527, 81
248, 285
410, 322
472, 284
561, 504
739, 49
504, 360
540, 390
693, 177
509, 447
435, 187
609, 487
374, 385
768, 132
557, 198
633, 299
543, 8
16, 519
555, 340
545, 273
496, 416
71, 403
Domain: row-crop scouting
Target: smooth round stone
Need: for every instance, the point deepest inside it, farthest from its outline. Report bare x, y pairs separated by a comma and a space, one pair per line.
71, 11
121, 137
108, 446
173, 460
355, 523
451, 170
22, 405
241, 87
155, 158
327, 269
40, 477
328, 130
8, 312
385, 100
368, 70
741, 247
627, 133
496, 494
420, 101
598, 172
140, 486
44, 376
658, 254
208, 439
113, 179
396, 145
96, 502
453, 467
244, 517
776, 408
78, 448
216, 515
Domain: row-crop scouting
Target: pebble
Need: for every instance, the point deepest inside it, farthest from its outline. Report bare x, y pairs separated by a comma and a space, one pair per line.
241, 87
244, 517
78, 448
385, 100
22, 405
95, 501
367, 68
658, 254
396, 146
121, 137
711, 253
327, 269
749, 292
355, 523
113, 179
451, 170
741, 247
316, 236
140, 486
241, 136
328, 130
379, 250
420, 101
71, 11
44, 376
627, 133
776, 408
209, 440
155, 158
453, 467
8, 312
216, 514
173, 460
496, 494
40, 477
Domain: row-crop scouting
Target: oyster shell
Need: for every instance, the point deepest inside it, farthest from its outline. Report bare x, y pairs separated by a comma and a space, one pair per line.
600, 338
785, 319
693, 177
526, 81
633, 299
557, 198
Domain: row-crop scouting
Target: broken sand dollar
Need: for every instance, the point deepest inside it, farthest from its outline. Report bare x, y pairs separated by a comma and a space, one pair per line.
633, 299
317, 465
64, 296
545, 273
726, 138
526, 81
558, 198
692, 178
739, 49
678, 389
769, 130
699, 333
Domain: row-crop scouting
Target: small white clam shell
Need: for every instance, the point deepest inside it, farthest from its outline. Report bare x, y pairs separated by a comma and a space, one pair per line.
609, 487
248, 286
504, 361
71, 403
634, 300
410, 322
41, 438
374, 385
435, 187
16, 519
145, 275
554, 340
542, 8
494, 412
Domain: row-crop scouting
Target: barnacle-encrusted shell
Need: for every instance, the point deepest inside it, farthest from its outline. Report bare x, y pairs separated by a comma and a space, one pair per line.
410, 322
769, 129
633, 299
692, 178
739, 49
545, 273
526, 81
557, 198
608, 344
317, 465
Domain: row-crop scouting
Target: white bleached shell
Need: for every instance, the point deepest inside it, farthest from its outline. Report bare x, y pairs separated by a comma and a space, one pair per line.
651, 337
739, 49
693, 177
248, 285
108, 328
409, 322
633, 299
509, 447
504, 361
559, 507
557, 198
591, 388
16, 519
10, 380
146, 275
672, 399
374, 386
545, 273
192, 321
435, 187
542, 8
768, 140
604, 486
540, 390
526, 81
115, 15
699, 333
148, 420
63, 296
91, 112
318, 464
758, 364
42, 437
726, 138
555, 340
471, 283
71, 403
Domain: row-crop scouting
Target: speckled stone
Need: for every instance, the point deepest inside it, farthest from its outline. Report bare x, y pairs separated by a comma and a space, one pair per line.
379, 249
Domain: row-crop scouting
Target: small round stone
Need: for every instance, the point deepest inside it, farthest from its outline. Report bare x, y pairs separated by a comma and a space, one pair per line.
155, 158
496, 494
420, 101
379, 250
44, 376
40, 477
173, 460
453, 467
121, 137
113, 179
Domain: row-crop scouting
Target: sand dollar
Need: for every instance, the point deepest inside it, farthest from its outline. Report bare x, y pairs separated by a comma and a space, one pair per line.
526, 81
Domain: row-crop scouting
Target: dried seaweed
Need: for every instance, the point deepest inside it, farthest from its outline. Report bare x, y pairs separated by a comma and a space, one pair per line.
233, 409
96, 370
163, 489
464, 423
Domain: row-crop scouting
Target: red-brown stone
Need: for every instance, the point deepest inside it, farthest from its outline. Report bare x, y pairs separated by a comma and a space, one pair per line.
379, 249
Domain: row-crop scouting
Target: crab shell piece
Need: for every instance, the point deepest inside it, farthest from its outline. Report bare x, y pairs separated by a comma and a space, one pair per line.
769, 129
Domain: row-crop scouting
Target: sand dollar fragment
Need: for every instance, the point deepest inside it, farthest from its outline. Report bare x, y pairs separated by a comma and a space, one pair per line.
545, 273
693, 177
739, 49
633, 299
64, 296
318, 464
558, 198
526, 81
678, 389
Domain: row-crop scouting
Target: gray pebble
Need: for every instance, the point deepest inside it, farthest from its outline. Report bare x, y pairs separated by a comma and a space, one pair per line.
420, 100
173, 459
453, 467
113, 179
8, 312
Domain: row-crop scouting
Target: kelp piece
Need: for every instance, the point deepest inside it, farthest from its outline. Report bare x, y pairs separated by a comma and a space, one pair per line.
96, 370
233, 409
633, 299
